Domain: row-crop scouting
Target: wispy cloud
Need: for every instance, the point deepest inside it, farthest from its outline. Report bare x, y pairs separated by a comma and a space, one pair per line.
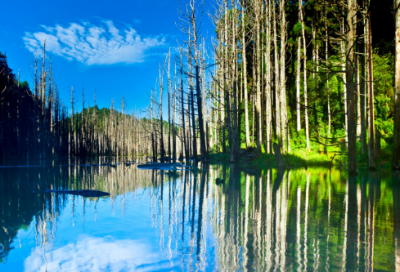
91, 44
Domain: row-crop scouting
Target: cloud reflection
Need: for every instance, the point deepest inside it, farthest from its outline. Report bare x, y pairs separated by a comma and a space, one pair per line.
93, 254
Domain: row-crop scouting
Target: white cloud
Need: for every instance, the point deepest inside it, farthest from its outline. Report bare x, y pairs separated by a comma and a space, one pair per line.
93, 254
90, 44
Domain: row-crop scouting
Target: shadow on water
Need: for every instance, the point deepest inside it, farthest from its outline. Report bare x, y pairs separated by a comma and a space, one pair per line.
259, 219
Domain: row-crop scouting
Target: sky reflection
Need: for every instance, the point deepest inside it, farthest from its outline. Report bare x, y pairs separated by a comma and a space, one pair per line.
314, 219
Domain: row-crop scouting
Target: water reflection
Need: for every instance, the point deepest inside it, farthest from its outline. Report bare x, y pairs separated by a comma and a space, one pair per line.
314, 219
89, 255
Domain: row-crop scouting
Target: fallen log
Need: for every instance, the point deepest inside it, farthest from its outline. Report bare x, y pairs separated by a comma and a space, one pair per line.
159, 166
84, 193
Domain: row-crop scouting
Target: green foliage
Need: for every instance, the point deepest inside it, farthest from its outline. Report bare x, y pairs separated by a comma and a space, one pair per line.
297, 29
384, 93
24, 85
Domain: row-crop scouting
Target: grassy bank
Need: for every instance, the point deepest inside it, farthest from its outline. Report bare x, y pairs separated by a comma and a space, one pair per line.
300, 158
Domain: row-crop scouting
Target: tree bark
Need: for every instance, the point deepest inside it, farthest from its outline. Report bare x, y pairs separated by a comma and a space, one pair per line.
82, 142
327, 73
161, 117
258, 75
351, 88
298, 84
183, 112
224, 83
278, 156
284, 119
235, 139
200, 112
72, 122
174, 134
194, 138
198, 89
363, 94
396, 136
305, 76
371, 127
377, 144
244, 68
346, 130
268, 106
169, 103
277, 82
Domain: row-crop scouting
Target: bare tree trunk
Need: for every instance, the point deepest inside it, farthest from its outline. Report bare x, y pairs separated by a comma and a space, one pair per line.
43, 87
327, 73
396, 136
284, 119
313, 42
198, 90
343, 49
161, 117
83, 140
112, 130
72, 122
305, 77
194, 138
257, 11
244, 67
211, 116
174, 134
190, 138
35, 111
377, 144
268, 106
298, 84
277, 82
217, 104
371, 141
95, 132
253, 106
151, 122
229, 77
351, 88
169, 103
235, 136
183, 111
357, 82
224, 83
123, 152
19, 147
50, 110
153, 145
362, 99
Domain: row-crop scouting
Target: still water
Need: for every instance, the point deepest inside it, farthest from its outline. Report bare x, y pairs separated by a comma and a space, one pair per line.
264, 220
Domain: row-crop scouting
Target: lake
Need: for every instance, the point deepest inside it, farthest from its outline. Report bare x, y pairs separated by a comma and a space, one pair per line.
256, 219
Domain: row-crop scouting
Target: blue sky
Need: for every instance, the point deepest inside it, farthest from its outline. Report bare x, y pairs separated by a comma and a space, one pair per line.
111, 47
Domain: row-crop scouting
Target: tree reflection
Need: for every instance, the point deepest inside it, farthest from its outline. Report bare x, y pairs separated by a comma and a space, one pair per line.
263, 220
